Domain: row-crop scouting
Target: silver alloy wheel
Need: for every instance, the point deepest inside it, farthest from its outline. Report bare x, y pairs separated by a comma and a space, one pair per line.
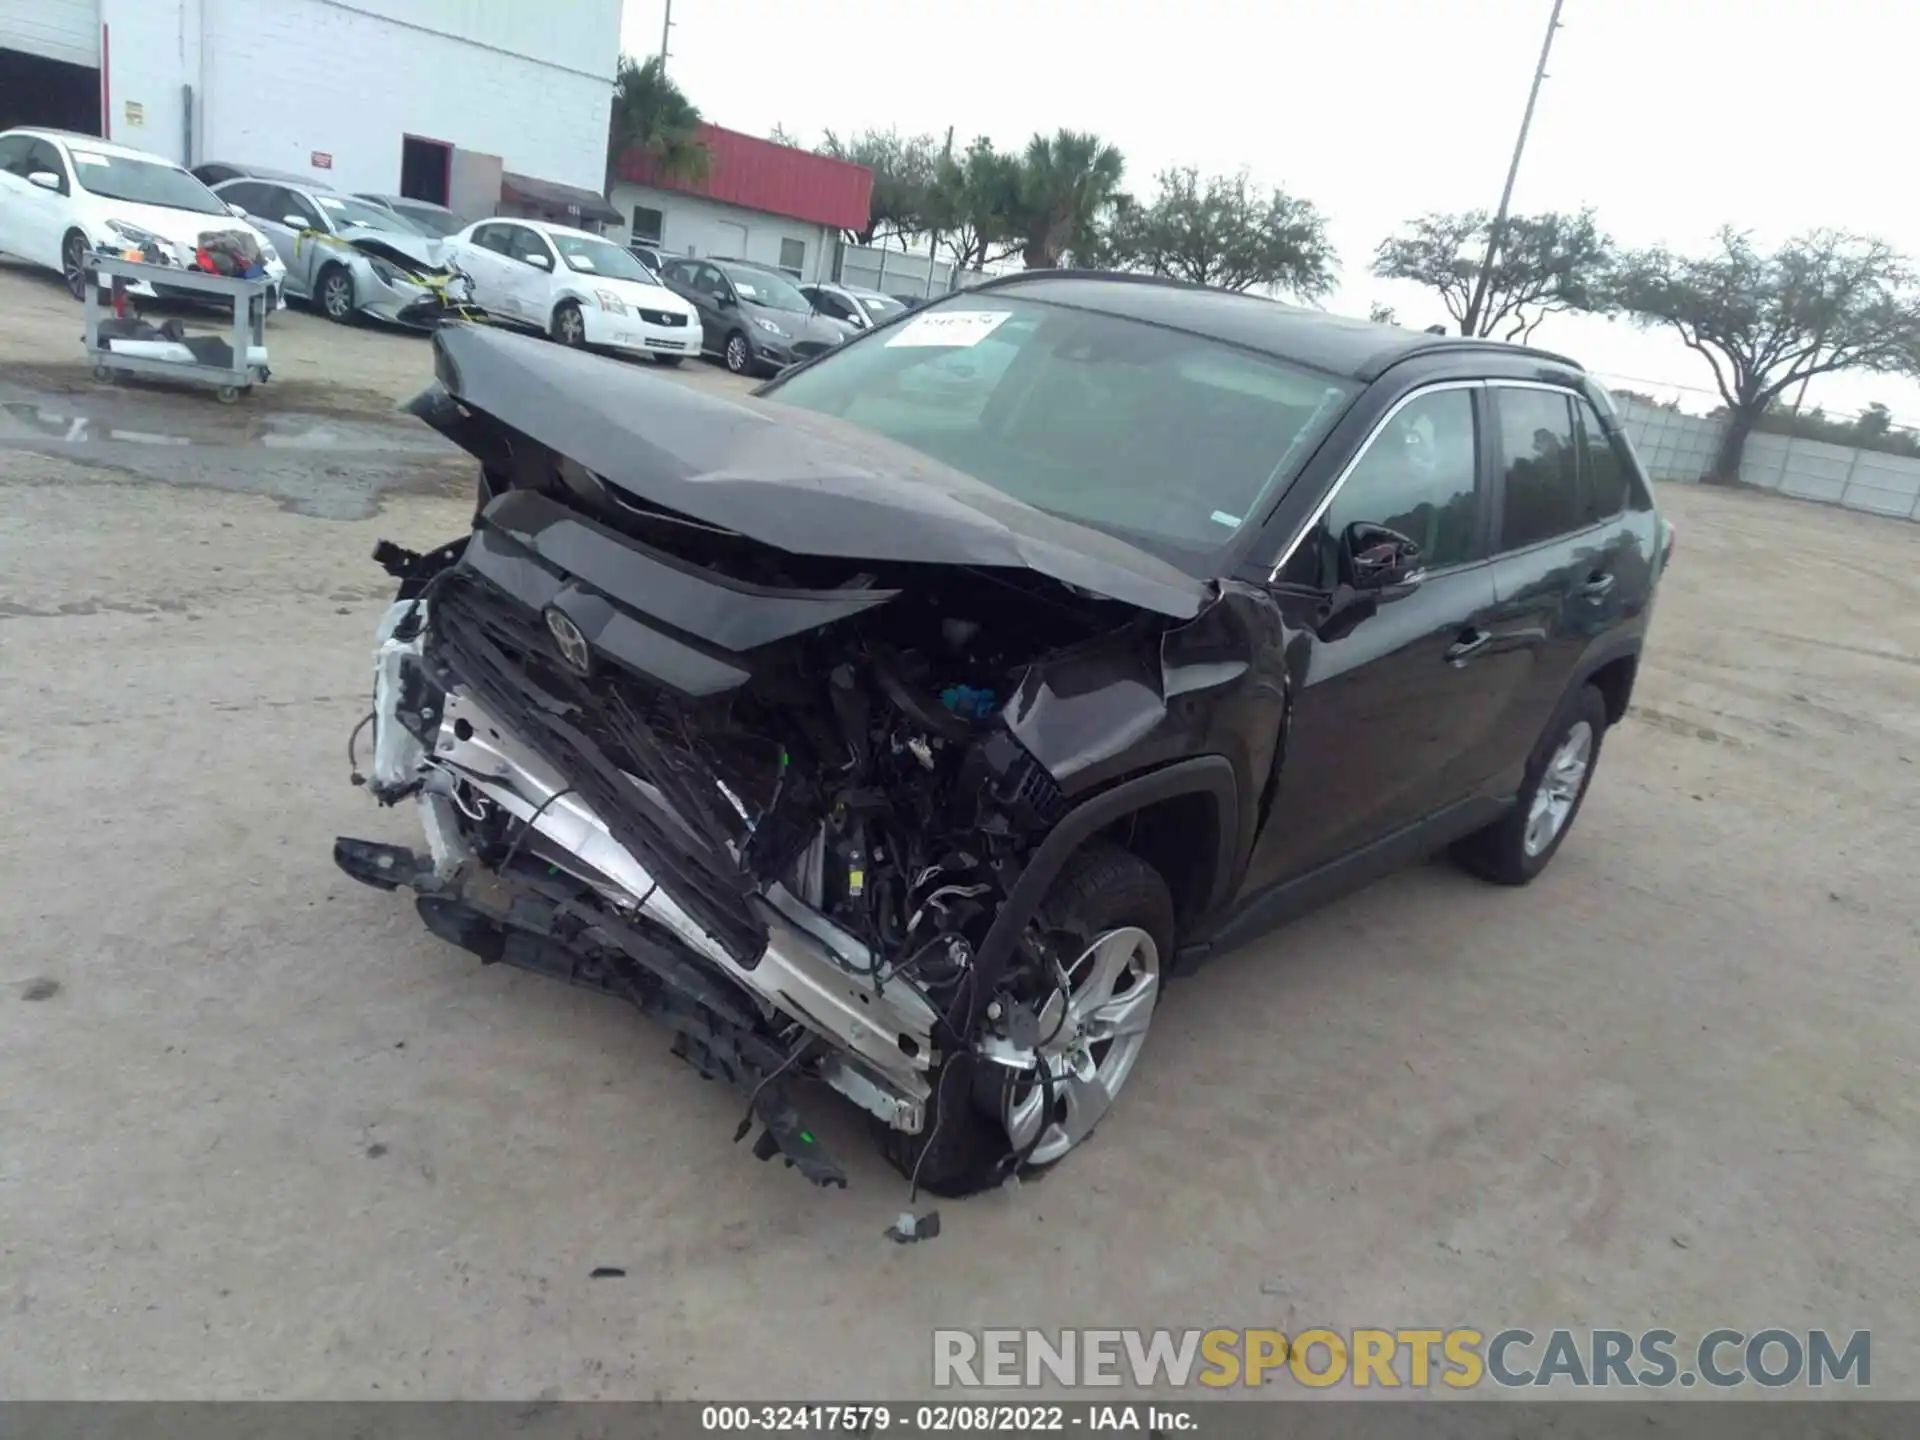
71, 255
1559, 788
738, 355
573, 329
1095, 1030
336, 295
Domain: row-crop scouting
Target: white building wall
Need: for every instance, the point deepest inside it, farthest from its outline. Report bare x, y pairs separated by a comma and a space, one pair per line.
277, 80
695, 225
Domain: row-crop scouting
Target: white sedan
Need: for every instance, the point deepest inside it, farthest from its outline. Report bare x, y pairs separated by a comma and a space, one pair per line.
578, 288
62, 195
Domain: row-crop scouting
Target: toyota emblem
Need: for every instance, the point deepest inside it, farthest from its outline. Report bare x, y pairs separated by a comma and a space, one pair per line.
573, 645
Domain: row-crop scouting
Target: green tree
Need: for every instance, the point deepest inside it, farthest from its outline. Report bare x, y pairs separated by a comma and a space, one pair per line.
903, 168
1068, 185
1547, 263
651, 116
973, 204
1765, 322
1223, 232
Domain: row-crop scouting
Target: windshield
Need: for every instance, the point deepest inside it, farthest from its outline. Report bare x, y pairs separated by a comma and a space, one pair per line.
342, 212
1171, 440
762, 287
430, 222
590, 255
143, 182
881, 307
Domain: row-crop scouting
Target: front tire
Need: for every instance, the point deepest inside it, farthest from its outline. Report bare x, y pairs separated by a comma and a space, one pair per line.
738, 354
334, 290
570, 326
73, 268
1518, 846
1109, 919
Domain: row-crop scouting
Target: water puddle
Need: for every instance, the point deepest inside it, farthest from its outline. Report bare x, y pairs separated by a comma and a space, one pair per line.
328, 466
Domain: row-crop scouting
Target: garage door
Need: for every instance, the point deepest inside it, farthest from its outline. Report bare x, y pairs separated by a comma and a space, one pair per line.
66, 30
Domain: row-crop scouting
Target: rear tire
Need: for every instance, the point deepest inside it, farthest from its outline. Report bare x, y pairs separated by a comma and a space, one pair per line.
1518, 846
964, 1147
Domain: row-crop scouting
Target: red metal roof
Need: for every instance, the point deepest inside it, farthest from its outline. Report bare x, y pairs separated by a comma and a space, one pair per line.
777, 179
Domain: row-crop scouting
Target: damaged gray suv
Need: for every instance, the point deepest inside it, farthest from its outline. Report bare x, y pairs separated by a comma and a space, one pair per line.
904, 728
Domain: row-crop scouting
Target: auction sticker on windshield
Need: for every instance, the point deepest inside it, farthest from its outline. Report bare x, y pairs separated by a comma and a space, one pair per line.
949, 327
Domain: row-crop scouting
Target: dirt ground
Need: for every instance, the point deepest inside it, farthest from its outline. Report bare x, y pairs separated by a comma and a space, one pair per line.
261, 1136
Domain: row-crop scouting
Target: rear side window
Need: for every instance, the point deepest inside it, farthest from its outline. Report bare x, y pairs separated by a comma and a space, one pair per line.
1606, 477
13, 154
1539, 455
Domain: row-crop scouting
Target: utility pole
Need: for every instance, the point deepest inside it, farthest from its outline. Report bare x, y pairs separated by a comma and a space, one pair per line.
1499, 230
666, 26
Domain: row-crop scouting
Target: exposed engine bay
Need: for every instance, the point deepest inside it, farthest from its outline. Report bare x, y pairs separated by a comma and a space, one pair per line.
784, 801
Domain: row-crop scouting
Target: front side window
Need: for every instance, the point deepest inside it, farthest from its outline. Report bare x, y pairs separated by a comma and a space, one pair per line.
141, 182
1172, 440
524, 245
290, 207
1539, 455
1417, 477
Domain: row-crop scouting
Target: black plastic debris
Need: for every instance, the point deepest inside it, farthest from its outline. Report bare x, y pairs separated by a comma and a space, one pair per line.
607, 1272
911, 1229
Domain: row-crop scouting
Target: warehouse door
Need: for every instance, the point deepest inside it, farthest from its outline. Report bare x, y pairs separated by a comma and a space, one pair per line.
50, 64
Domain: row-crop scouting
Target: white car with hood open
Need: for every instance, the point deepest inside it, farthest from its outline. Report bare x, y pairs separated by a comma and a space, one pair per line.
64, 194
580, 289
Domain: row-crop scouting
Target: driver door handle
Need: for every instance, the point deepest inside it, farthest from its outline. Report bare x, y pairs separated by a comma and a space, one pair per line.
1470, 644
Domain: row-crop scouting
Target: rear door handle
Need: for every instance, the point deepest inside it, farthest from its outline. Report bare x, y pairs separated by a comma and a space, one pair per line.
1598, 584
1470, 643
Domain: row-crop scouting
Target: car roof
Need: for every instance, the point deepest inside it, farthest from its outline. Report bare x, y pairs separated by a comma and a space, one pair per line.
391, 200
1337, 344
547, 227
91, 142
261, 172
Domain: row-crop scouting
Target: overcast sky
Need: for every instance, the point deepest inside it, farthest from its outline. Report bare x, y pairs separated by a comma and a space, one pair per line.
1669, 116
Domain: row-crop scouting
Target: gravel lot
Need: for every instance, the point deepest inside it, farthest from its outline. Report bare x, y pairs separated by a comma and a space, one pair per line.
265, 1137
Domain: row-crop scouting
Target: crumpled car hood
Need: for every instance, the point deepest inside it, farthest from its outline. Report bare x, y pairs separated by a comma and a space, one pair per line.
403, 250
789, 478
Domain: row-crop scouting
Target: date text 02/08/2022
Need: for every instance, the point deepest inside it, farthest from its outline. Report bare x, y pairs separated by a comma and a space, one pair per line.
943, 1418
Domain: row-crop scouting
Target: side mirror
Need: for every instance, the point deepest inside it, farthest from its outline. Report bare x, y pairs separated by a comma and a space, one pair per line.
1375, 558
293, 222
1344, 612
724, 299
233, 209
45, 179
540, 262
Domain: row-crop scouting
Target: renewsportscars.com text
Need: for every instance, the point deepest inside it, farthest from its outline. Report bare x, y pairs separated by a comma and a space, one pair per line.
1460, 1359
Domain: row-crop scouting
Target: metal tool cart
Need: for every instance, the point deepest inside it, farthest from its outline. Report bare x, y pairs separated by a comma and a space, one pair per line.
248, 335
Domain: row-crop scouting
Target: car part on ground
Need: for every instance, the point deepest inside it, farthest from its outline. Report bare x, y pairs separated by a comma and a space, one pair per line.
911, 756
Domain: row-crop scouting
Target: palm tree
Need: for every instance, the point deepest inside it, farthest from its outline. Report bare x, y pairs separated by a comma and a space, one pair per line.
1068, 182
651, 115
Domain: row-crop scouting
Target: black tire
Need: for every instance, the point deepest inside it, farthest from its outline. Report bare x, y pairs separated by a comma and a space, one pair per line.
736, 353
1499, 852
569, 325
333, 294
963, 1148
73, 248
668, 360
